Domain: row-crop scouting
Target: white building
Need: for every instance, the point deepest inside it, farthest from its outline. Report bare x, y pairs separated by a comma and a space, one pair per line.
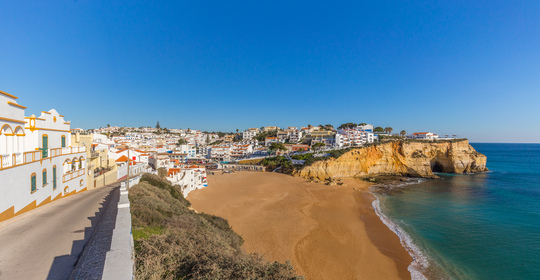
366, 128
296, 136
269, 140
220, 152
250, 133
425, 135
37, 162
241, 151
353, 137
188, 149
189, 178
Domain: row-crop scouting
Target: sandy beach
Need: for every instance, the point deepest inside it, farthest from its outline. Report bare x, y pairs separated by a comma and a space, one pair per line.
327, 232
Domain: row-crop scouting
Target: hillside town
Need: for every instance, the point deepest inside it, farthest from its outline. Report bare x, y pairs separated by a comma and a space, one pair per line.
44, 159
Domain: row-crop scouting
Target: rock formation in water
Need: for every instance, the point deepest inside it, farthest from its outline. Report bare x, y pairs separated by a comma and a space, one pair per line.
413, 158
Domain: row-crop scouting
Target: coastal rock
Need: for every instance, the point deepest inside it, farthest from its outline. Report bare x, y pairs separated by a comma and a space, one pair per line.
400, 158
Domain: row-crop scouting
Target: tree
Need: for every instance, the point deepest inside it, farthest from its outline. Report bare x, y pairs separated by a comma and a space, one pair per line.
378, 129
316, 146
157, 125
237, 130
207, 139
388, 130
108, 125
347, 125
277, 147
362, 124
182, 142
403, 133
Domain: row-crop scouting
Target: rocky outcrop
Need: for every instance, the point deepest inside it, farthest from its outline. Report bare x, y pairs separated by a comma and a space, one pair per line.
400, 158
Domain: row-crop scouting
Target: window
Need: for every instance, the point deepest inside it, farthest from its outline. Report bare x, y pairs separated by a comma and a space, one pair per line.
44, 177
54, 177
63, 141
45, 145
33, 182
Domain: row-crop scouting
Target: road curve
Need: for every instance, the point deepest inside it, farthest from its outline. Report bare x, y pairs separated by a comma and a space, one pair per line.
46, 243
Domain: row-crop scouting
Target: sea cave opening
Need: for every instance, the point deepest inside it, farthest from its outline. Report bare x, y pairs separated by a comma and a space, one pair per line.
436, 167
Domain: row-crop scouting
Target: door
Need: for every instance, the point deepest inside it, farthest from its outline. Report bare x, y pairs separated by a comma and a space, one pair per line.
45, 146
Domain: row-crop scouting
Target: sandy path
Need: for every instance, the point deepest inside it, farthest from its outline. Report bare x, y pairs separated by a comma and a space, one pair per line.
327, 232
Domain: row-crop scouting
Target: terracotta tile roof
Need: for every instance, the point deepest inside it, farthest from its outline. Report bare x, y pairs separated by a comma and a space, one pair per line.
172, 171
122, 159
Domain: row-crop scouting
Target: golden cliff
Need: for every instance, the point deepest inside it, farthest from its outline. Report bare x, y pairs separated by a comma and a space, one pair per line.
400, 158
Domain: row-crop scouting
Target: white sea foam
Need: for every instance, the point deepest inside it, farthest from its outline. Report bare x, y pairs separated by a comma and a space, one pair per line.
420, 262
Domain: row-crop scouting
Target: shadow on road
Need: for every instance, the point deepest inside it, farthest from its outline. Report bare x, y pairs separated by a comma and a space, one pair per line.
84, 256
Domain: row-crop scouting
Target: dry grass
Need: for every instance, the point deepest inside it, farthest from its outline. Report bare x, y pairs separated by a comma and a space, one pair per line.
173, 242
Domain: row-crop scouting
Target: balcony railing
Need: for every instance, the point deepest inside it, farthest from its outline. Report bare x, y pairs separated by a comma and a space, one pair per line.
11, 160
73, 174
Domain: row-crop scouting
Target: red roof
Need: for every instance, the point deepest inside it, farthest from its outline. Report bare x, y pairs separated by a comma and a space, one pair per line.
172, 171
122, 159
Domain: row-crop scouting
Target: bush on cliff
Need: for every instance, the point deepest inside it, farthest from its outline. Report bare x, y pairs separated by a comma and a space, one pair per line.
174, 242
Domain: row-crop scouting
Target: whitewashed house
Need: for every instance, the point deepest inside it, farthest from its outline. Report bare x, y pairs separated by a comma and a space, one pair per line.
425, 135
190, 178
37, 162
353, 137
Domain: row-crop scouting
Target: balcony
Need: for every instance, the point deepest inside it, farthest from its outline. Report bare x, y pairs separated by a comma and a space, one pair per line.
16, 159
73, 174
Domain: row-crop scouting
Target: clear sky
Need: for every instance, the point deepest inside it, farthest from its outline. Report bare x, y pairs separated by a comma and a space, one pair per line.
470, 68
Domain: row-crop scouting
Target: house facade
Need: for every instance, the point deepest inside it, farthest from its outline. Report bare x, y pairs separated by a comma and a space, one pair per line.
425, 135
353, 137
38, 164
250, 133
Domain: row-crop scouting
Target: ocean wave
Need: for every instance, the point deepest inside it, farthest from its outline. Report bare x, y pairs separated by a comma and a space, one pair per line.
420, 262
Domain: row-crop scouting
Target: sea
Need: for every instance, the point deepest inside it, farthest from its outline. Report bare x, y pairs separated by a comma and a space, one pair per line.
472, 226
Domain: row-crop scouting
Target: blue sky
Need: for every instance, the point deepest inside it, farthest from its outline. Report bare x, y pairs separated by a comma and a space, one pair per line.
470, 68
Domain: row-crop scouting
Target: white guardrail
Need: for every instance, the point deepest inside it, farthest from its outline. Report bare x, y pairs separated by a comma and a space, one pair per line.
120, 260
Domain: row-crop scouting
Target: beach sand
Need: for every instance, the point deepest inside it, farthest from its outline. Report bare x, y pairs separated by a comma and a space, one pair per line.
327, 232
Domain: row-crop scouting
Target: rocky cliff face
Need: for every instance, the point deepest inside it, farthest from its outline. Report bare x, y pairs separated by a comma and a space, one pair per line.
401, 158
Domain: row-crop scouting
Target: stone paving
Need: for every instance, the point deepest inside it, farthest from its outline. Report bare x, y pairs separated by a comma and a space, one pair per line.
92, 260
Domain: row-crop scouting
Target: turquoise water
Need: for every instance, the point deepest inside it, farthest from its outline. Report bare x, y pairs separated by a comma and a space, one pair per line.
476, 226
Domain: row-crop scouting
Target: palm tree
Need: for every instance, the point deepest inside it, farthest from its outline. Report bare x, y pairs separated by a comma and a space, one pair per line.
388, 130
403, 133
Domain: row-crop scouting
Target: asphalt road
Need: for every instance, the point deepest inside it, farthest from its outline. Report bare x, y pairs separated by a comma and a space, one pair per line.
46, 242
